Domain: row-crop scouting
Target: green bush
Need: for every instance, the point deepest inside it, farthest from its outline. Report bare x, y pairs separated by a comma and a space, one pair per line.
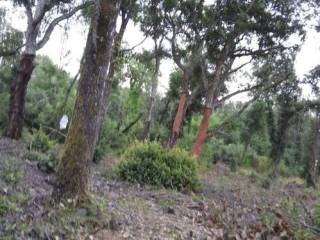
11, 172
111, 140
230, 154
149, 163
38, 141
284, 170
46, 161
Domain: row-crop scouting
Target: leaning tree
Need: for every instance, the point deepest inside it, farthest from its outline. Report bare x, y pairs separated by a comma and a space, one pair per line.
241, 29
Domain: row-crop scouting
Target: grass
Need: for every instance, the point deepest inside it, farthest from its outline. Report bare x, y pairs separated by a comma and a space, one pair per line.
11, 172
134, 203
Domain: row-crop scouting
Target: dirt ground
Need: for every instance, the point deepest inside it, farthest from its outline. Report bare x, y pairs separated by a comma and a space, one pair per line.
229, 206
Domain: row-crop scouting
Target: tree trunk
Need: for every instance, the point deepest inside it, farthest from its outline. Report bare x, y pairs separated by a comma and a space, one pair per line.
17, 96
154, 85
73, 169
279, 144
178, 120
315, 155
211, 96
182, 107
202, 133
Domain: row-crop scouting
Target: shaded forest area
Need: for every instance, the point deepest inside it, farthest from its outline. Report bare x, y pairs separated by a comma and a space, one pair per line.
105, 154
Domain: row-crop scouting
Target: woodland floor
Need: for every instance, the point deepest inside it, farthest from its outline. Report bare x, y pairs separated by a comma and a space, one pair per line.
230, 206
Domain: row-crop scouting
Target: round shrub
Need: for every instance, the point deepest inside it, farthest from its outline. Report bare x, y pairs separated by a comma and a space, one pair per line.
150, 163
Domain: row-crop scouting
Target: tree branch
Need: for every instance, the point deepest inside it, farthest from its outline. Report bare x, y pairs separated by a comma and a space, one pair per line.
230, 118
27, 6
56, 21
245, 106
238, 92
131, 124
238, 68
175, 56
40, 12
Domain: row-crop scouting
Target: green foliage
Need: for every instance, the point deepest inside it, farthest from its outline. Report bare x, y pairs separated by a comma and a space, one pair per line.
38, 140
6, 205
11, 172
229, 154
51, 94
284, 170
149, 163
303, 234
317, 214
111, 141
46, 161
42, 149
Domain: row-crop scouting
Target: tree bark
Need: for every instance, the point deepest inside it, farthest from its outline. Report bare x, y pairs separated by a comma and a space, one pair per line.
73, 169
211, 96
181, 111
17, 96
313, 171
178, 120
213, 91
202, 133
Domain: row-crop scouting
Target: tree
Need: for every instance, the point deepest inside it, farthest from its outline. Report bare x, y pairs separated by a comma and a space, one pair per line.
73, 169
50, 95
38, 14
255, 122
236, 29
154, 86
184, 22
10, 42
151, 24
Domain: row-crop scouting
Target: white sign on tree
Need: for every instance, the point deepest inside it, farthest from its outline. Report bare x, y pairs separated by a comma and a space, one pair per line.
64, 122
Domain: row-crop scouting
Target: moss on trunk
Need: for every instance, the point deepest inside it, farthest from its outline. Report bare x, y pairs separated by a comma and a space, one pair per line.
73, 173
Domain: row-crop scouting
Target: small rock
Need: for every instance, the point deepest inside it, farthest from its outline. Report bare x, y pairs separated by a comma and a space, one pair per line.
126, 235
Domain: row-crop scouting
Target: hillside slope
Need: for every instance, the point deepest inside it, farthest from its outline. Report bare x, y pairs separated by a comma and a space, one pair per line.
230, 206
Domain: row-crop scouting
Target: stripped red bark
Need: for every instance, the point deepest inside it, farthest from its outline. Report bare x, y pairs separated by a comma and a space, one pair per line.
178, 120
202, 133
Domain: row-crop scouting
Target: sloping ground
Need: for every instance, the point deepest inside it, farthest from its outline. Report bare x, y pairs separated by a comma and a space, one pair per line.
228, 207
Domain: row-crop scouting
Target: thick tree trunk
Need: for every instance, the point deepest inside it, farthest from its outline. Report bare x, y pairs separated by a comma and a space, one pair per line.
202, 133
181, 111
154, 85
17, 96
73, 169
178, 120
